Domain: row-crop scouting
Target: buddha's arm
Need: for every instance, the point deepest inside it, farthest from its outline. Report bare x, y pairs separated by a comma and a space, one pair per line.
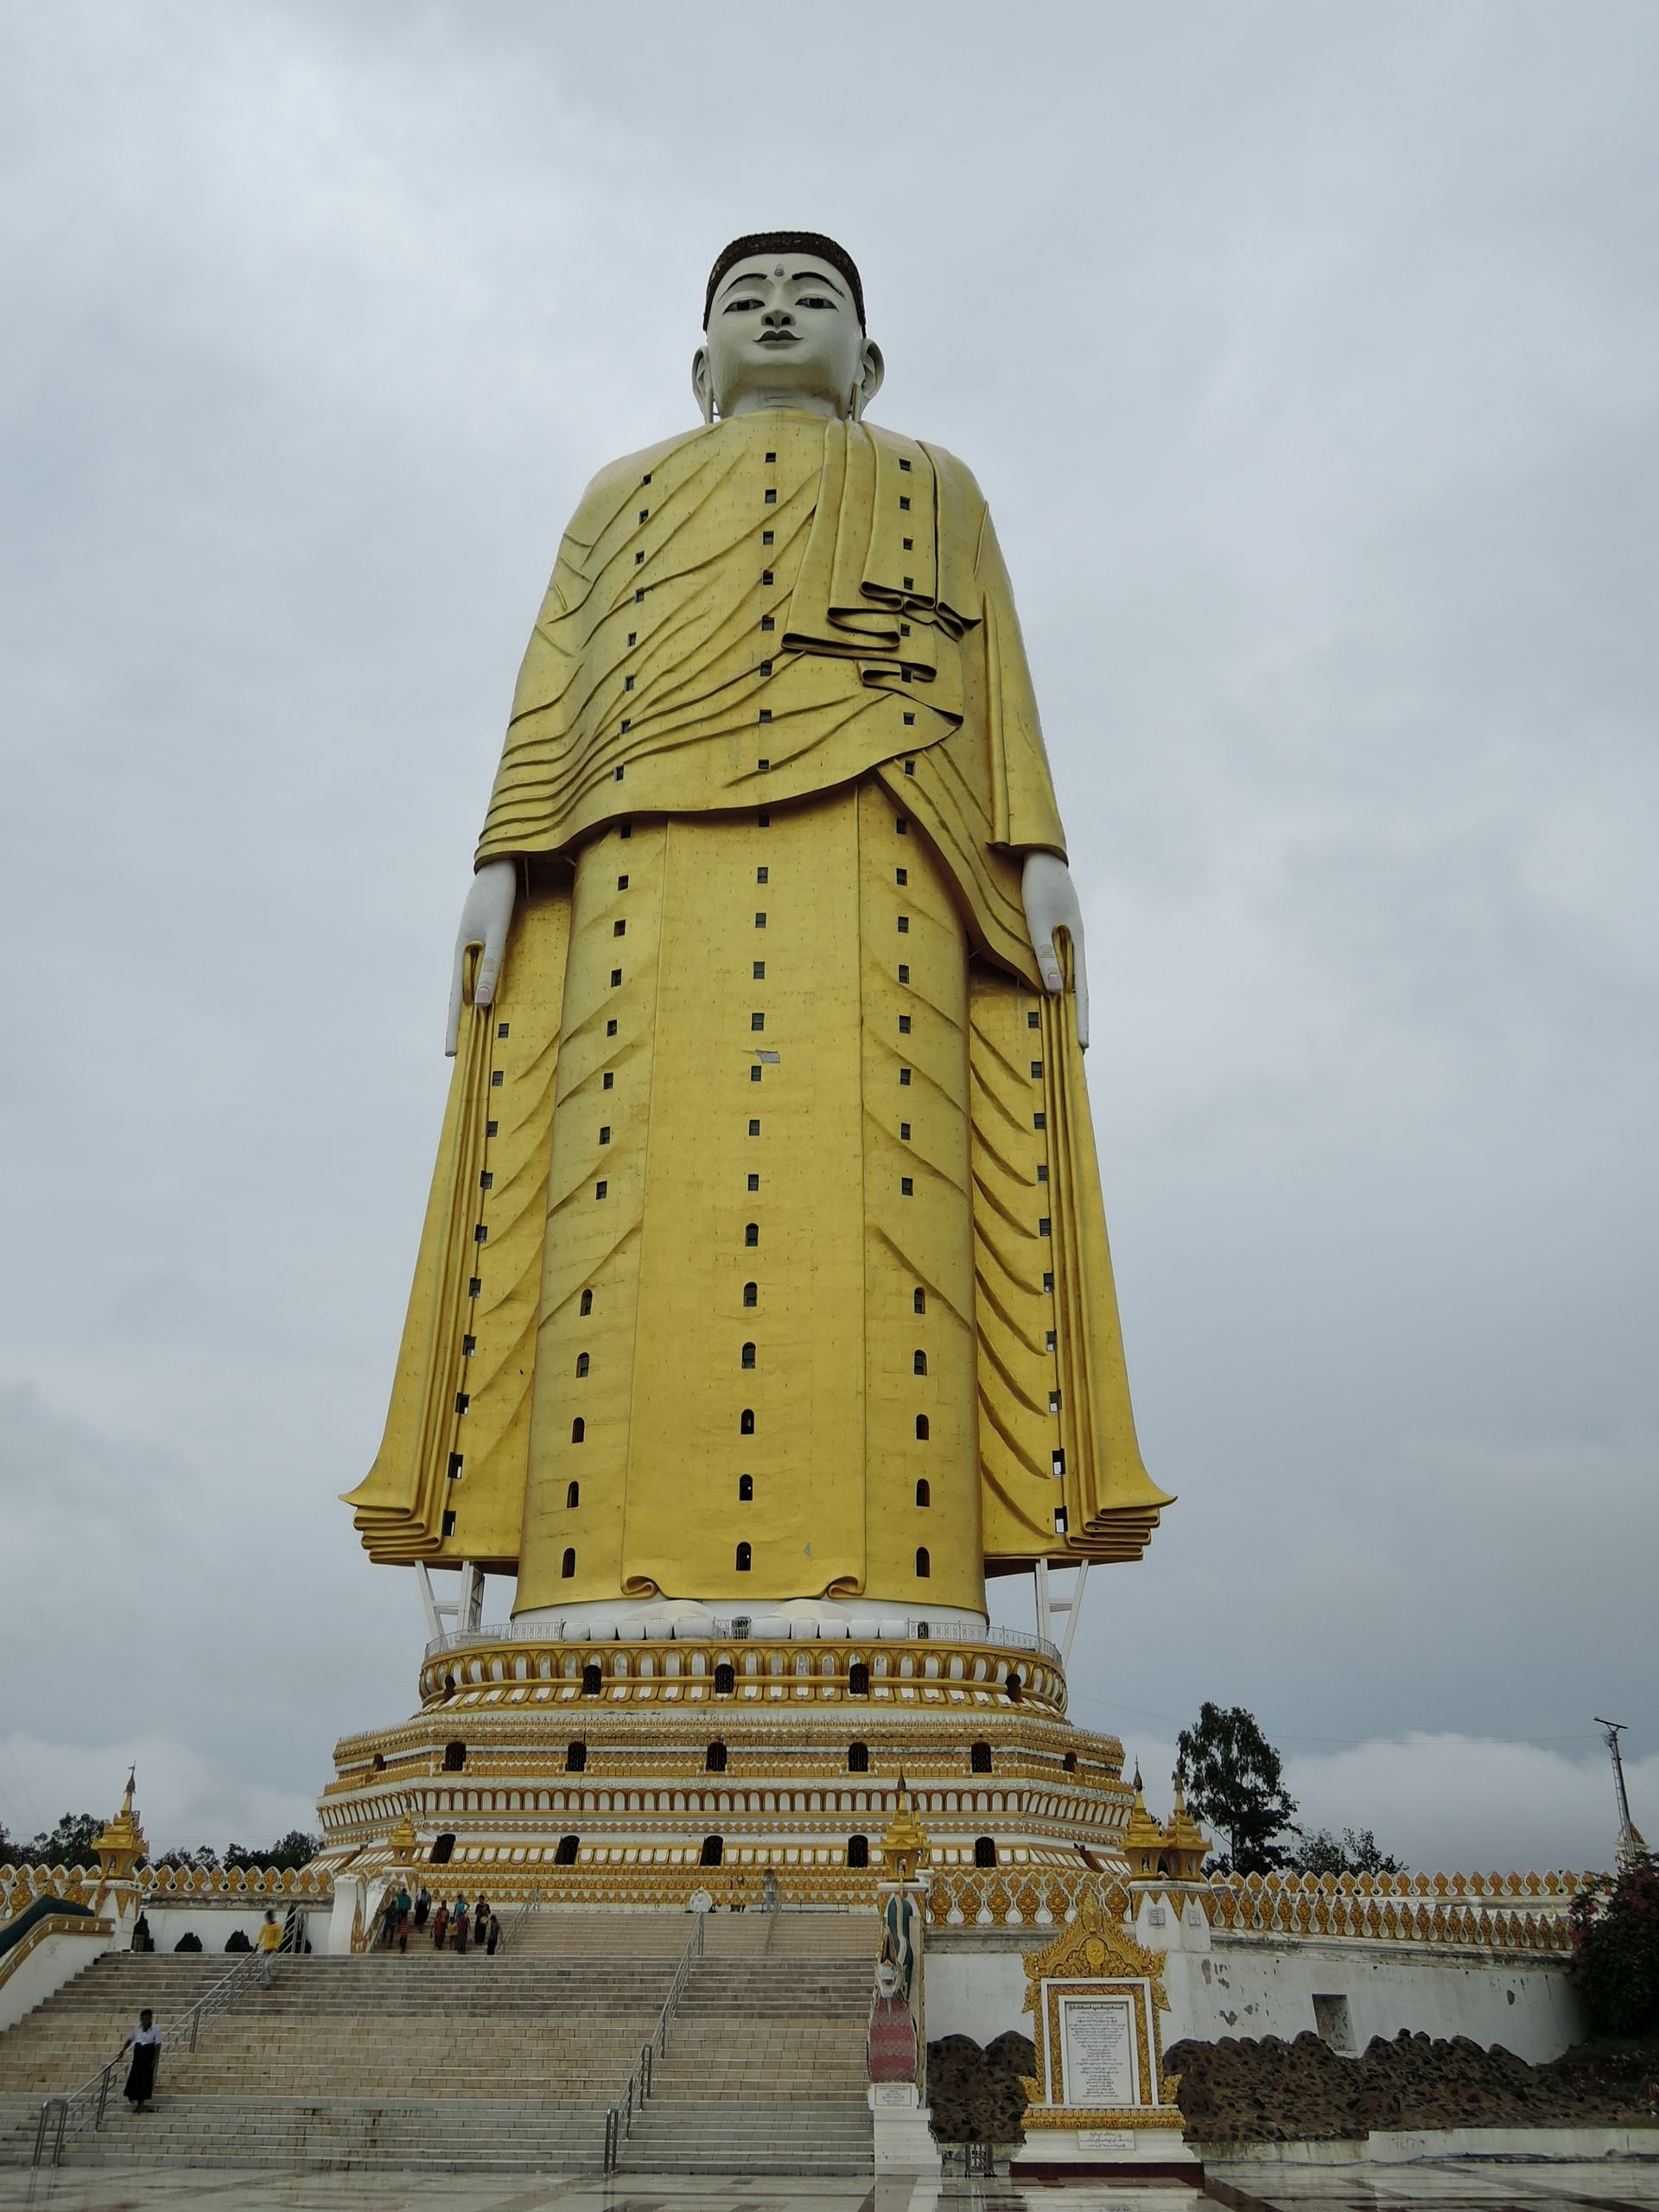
485, 920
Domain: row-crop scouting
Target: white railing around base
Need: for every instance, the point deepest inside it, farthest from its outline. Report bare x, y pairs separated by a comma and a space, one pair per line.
735, 1632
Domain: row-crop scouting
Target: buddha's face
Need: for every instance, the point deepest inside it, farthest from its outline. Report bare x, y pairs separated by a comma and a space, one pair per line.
783, 332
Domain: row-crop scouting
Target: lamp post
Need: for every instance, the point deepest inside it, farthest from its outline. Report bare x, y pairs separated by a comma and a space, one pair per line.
1630, 1846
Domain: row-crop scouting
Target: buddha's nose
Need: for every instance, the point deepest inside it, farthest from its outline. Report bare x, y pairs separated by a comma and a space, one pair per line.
777, 318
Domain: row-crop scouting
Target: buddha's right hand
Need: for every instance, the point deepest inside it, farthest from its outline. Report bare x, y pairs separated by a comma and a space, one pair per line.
483, 921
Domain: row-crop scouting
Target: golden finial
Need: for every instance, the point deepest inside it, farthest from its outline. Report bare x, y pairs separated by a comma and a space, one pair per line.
904, 1847
121, 1845
404, 1842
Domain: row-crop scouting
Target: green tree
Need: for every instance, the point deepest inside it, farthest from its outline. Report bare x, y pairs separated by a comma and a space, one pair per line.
203, 1855
1354, 1852
295, 1849
1615, 1968
1234, 1780
69, 1844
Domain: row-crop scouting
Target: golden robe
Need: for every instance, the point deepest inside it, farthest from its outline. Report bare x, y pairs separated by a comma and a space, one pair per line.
765, 1257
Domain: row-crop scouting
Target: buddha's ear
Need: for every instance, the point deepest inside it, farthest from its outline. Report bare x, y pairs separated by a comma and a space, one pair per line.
702, 383
871, 370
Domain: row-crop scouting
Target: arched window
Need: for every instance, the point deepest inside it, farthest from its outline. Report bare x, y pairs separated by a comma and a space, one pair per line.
921, 1429
924, 1495
576, 1757
751, 1293
748, 1355
918, 1362
743, 1560
582, 1362
979, 1759
920, 1300
578, 1430
442, 1848
746, 1421
714, 1850
587, 1301
858, 1758
568, 1564
923, 1564
714, 1758
745, 1489
455, 1757
573, 1497
858, 1679
1069, 1763
592, 1681
725, 1678
858, 1851
380, 1762
566, 1854
1015, 1686
751, 1237
984, 1850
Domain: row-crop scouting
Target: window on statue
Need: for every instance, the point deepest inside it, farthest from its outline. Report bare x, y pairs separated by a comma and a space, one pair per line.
751, 1293
1069, 1763
984, 1850
714, 1758
380, 1762
858, 1758
858, 1679
923, 1564
592, 1681
725, 1675
578, 1430
744, 1559
748, 1355
746, 1490
582, 1362
918, 1362
455, 1757
576, 1757
979, 1759
442, 1849
573, 1494
919, 1299
714, 1850
1015, 1688
746, 1421
924, 1494
566, 1854
858, 1851
751, 1234
587, 1301
568, 1564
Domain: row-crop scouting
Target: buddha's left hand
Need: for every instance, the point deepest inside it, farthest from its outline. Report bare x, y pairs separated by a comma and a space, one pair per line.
1051, 899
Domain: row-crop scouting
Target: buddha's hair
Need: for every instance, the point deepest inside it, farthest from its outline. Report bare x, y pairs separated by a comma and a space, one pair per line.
813, 242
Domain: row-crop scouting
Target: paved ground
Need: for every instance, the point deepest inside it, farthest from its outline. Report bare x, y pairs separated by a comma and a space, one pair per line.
1485, 2187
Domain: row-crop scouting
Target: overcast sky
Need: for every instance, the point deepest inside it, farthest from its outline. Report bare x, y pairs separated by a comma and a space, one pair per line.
1308, 356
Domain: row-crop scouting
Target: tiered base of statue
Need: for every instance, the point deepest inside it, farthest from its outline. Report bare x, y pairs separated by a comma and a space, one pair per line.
756, 1768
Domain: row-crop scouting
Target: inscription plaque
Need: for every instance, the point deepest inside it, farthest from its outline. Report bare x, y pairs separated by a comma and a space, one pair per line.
1099, 2051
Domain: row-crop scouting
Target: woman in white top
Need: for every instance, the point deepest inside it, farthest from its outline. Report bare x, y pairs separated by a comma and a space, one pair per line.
145, 2044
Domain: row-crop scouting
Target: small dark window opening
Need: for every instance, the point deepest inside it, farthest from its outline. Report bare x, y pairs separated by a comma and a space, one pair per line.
586, 1305
442, 1849
858, 1679
751, 1293
748, 1355
714, 1850
924, 1495
568, 1564
725, 1678
919, 1299
582, 1362
579, 1430
745, 1489
566, 1854
455, 1757
858, 1851
592, 1679
745, 1427
1015, 1688
751, 1234
714, 1758
984, 1850
380, 1762
979, 1759
1069, 1763
573, 1494
858, 1758
919, 1364
921, 1429
923, 1564
576, 1757
743, 1559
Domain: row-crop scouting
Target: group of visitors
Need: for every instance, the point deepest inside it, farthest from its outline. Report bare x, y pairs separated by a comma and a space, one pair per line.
458, 1925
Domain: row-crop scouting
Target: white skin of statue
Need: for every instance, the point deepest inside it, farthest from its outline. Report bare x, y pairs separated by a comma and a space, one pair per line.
781, 335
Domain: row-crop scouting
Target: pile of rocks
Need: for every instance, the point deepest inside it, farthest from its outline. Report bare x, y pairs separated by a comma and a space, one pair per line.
1246, 2090
976, 2095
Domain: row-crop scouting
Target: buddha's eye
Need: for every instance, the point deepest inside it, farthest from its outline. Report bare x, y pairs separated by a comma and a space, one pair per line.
740, 307
817, 300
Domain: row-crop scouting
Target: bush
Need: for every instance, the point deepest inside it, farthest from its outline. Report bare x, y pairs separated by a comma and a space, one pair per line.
238, 1939
188, 1942
1616, 1950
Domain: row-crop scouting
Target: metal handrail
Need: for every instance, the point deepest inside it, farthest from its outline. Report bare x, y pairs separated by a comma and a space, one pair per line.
619, 2118
512, 1932
917, 1630
88, 2101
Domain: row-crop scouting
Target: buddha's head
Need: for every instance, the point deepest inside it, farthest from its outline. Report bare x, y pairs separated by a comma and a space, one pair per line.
784, 327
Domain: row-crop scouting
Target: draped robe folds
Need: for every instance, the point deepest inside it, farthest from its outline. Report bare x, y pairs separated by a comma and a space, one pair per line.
743, 622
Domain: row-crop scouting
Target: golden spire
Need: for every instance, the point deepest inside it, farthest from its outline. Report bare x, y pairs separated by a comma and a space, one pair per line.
1143, 1840
1184, 1841
121, 1845
904, 1847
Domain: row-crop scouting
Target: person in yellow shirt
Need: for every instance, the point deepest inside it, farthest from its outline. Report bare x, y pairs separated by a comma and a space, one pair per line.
268, 1942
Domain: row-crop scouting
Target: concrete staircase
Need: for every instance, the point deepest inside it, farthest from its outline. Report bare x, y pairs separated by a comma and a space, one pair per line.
429, 2061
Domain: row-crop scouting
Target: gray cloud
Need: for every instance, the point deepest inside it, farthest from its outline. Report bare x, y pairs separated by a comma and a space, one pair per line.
1307, 360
